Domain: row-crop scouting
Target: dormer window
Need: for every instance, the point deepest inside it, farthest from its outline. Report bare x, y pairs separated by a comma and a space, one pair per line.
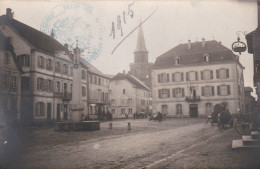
177, 60
206, 57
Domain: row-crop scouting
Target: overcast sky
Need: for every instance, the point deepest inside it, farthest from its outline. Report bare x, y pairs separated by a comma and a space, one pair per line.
173, 22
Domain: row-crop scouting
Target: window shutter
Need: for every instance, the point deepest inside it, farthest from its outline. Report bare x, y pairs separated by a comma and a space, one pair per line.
45, 84
228, 89
187, 76
39, 61
37, 108
182, 90
212, 88
196, 74
218, 90
168, 92
217, 71
167, 77
159, 93
227, 73
159, 79
211, 74
202, 91
38, 83
201, 74
173, 77
182, 76
173, 93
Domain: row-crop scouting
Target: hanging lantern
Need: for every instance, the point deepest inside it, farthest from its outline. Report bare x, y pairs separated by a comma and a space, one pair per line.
239, 46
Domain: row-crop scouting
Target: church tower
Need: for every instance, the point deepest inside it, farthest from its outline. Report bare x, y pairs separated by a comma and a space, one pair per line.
141, 68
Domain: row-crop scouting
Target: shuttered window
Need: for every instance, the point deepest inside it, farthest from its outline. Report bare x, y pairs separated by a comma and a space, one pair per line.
206, 74
178, 109
207, 91
222, 73
178, 92
163, 78
164, 93
191, 76
224, 90
40, 109
177, 77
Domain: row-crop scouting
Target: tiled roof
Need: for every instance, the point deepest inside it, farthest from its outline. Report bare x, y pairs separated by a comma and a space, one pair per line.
132, 79
217, 53
36, 38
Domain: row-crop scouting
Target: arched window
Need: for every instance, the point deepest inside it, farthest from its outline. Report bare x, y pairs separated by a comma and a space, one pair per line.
206, 57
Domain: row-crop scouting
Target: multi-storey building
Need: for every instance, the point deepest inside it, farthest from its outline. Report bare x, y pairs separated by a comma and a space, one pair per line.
42, 74
250, 103
98, 95
10, 82
128, 95
253, 42
191, 78
141, 68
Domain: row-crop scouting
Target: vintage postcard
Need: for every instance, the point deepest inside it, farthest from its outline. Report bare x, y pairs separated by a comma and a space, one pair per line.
129, 84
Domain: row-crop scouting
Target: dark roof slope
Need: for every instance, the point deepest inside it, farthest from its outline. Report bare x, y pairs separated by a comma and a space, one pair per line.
5, 45
217, 53
131, 79
38, 39
251, 41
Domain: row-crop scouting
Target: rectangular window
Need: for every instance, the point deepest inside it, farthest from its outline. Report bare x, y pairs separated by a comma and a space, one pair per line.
24, 60
224, 90
206, 74
164, 93
83, 74
49, 86
7, 58
122, 111
25, 83
58, 87
208, 91
178, 92
163, 78
13, 82
40, 62
130, 111
177, 77
113, 111
192, 76
49, 64
83, 91
99, 81
223, 73
40, 83
65, 69
130, 101
40, 109
57, 67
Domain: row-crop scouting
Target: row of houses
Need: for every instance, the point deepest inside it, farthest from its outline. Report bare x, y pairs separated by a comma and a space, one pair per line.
42, 80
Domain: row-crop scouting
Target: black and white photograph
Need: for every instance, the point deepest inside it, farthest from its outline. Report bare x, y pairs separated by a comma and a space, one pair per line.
133, 84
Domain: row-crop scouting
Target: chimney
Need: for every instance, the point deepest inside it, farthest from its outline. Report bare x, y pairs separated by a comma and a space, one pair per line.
9, 13
203, 42
189, 44
52, 33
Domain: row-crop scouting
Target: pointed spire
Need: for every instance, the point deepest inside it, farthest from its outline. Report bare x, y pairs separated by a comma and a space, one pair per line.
140, 40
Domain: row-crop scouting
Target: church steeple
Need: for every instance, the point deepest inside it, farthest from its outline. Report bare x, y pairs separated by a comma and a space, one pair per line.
140, 41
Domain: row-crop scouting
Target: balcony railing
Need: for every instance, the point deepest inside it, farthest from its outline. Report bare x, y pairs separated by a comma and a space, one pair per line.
64, 96
192, 98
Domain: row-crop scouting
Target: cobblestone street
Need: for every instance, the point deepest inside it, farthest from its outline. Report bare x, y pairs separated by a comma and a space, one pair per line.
175, 143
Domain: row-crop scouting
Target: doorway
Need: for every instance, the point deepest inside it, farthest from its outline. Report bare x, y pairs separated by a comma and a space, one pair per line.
58, 112
65, 115
193, 110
